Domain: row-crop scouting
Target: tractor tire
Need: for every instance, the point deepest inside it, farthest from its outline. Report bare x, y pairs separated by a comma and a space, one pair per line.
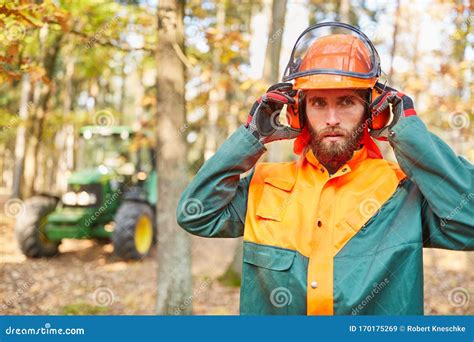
135, 230
102, 241
29, 228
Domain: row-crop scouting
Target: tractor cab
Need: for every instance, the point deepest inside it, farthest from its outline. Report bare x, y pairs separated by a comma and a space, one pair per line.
115, 149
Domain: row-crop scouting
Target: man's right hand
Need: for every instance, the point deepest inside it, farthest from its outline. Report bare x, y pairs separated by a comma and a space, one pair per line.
263, 120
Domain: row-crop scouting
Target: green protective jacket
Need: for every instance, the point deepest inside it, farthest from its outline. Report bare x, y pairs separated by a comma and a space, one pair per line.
379, 271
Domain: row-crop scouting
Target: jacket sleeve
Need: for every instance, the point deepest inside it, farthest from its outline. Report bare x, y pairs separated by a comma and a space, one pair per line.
446, 183
215, 202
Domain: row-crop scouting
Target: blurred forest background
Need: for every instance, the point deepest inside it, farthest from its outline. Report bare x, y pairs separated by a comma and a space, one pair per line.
66, 64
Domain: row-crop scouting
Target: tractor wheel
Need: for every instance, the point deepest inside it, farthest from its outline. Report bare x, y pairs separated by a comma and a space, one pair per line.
134, 231
102, 241
29, 228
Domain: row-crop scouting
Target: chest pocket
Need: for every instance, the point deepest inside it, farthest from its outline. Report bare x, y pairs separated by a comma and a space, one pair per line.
275, 198
366, 209
265, 279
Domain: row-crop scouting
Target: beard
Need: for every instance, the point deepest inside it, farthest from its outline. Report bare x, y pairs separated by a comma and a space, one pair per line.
333, 154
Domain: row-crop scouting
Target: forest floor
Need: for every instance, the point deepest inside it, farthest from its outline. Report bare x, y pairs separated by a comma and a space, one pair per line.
86, 278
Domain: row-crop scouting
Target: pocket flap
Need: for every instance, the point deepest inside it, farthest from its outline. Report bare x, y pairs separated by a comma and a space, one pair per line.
275, 198
269, 257
280, 183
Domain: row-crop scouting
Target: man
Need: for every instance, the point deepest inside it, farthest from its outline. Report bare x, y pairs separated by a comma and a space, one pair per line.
340, 230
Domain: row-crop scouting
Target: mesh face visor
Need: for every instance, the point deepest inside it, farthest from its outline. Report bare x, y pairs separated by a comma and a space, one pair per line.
333, 55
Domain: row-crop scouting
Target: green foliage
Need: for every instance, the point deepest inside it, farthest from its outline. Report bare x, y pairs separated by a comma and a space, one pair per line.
106, 61
81, 308
230, 278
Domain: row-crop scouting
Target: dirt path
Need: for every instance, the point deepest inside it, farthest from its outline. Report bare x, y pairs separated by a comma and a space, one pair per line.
86, 278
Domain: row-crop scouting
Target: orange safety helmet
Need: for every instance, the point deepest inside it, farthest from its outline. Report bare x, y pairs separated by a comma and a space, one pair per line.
333, 55
341, 52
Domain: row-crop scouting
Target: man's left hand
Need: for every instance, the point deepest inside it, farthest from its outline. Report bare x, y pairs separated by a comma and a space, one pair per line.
402, 106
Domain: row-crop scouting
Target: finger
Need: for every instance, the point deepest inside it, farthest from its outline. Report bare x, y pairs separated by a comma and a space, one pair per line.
254, 108
384, 87
381, 99
380, 108
287, 133
282, 86
279, 97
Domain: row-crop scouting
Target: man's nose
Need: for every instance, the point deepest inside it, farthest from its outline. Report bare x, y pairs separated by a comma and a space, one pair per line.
332, 118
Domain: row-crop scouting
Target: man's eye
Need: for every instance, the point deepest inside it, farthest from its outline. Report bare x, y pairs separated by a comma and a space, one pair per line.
318, 102
347, 101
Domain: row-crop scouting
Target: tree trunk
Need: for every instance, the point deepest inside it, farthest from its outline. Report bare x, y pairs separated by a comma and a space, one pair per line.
49, 63
66, 152
217, 93
20, 144
344, 11
396, 24
174, 244
121, 105
271, 70
386, 149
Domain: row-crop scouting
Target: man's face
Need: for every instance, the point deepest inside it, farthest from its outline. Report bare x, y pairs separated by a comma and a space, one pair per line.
334, 118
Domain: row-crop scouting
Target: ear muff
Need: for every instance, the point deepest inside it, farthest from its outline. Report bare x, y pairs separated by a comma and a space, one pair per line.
381, 120
296, 112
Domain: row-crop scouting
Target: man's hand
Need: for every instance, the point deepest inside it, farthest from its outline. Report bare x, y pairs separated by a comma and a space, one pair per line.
402, 106
263, 121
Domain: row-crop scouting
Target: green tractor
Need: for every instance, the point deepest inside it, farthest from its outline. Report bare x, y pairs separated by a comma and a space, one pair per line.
110, 197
